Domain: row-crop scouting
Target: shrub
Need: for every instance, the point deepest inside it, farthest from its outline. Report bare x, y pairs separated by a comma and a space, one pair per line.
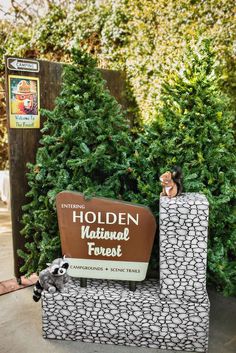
193, 128
86, 147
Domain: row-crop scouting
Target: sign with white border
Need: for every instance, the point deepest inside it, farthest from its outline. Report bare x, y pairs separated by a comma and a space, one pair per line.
105, 238
27, 65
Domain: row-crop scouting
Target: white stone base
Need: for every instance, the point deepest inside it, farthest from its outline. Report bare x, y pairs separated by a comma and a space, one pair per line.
108, 312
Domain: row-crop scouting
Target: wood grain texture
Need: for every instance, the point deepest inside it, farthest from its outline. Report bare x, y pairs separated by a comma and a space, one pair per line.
23, 143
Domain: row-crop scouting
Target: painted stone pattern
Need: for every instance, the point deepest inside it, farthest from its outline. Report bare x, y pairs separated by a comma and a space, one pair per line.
172, 316
107, 312
183, 246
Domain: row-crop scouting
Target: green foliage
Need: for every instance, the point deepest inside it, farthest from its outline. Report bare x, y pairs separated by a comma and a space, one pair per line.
14, 41
193, 128
144, 39
53, 33
147, 39
85, 147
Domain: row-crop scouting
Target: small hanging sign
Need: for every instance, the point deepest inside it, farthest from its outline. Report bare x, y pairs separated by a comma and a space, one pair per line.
24, 102
28, 65
104, 238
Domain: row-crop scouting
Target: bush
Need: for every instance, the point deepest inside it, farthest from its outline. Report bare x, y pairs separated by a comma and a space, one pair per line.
147, 40
86, 147
193, 128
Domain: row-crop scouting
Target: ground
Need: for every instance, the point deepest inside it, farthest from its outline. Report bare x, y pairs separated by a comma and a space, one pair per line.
20, 320
6, 252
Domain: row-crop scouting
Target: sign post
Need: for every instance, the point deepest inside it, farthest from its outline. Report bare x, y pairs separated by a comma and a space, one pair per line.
104, 238
30, 85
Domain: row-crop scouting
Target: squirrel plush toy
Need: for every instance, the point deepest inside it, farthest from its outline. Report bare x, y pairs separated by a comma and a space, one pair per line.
53, 278
171, 183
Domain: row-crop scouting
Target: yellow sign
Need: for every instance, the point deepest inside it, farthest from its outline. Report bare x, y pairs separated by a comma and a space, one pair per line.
24, 103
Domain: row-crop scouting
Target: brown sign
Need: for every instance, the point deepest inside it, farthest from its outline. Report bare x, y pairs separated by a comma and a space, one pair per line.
104, 238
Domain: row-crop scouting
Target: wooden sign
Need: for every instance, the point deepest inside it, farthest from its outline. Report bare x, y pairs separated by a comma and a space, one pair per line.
104, 238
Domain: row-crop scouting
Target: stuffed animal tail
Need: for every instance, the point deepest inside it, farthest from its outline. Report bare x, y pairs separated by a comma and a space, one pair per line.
177, 177
37, 291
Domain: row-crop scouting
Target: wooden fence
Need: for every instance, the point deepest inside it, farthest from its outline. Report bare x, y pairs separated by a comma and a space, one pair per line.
23, 142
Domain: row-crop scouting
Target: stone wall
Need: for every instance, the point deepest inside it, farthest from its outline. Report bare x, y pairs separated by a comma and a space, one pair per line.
183, 246
172, 316
108, 312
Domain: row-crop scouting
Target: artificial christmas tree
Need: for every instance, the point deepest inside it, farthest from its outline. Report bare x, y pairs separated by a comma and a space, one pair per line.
86, 147
193, 128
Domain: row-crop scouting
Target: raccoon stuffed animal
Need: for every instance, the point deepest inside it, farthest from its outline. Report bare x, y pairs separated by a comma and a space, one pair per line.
53, 278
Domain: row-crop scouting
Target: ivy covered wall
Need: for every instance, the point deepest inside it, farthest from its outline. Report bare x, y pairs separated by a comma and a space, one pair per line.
144, 39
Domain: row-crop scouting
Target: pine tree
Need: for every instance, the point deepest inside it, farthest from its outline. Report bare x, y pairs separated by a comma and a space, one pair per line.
86, 147
193, 128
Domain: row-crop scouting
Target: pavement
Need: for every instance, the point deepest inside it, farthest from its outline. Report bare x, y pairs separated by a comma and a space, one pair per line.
20, 317
6, 246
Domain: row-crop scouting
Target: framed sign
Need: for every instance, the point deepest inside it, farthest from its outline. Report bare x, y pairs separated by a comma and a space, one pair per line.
24, 102
105, 238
